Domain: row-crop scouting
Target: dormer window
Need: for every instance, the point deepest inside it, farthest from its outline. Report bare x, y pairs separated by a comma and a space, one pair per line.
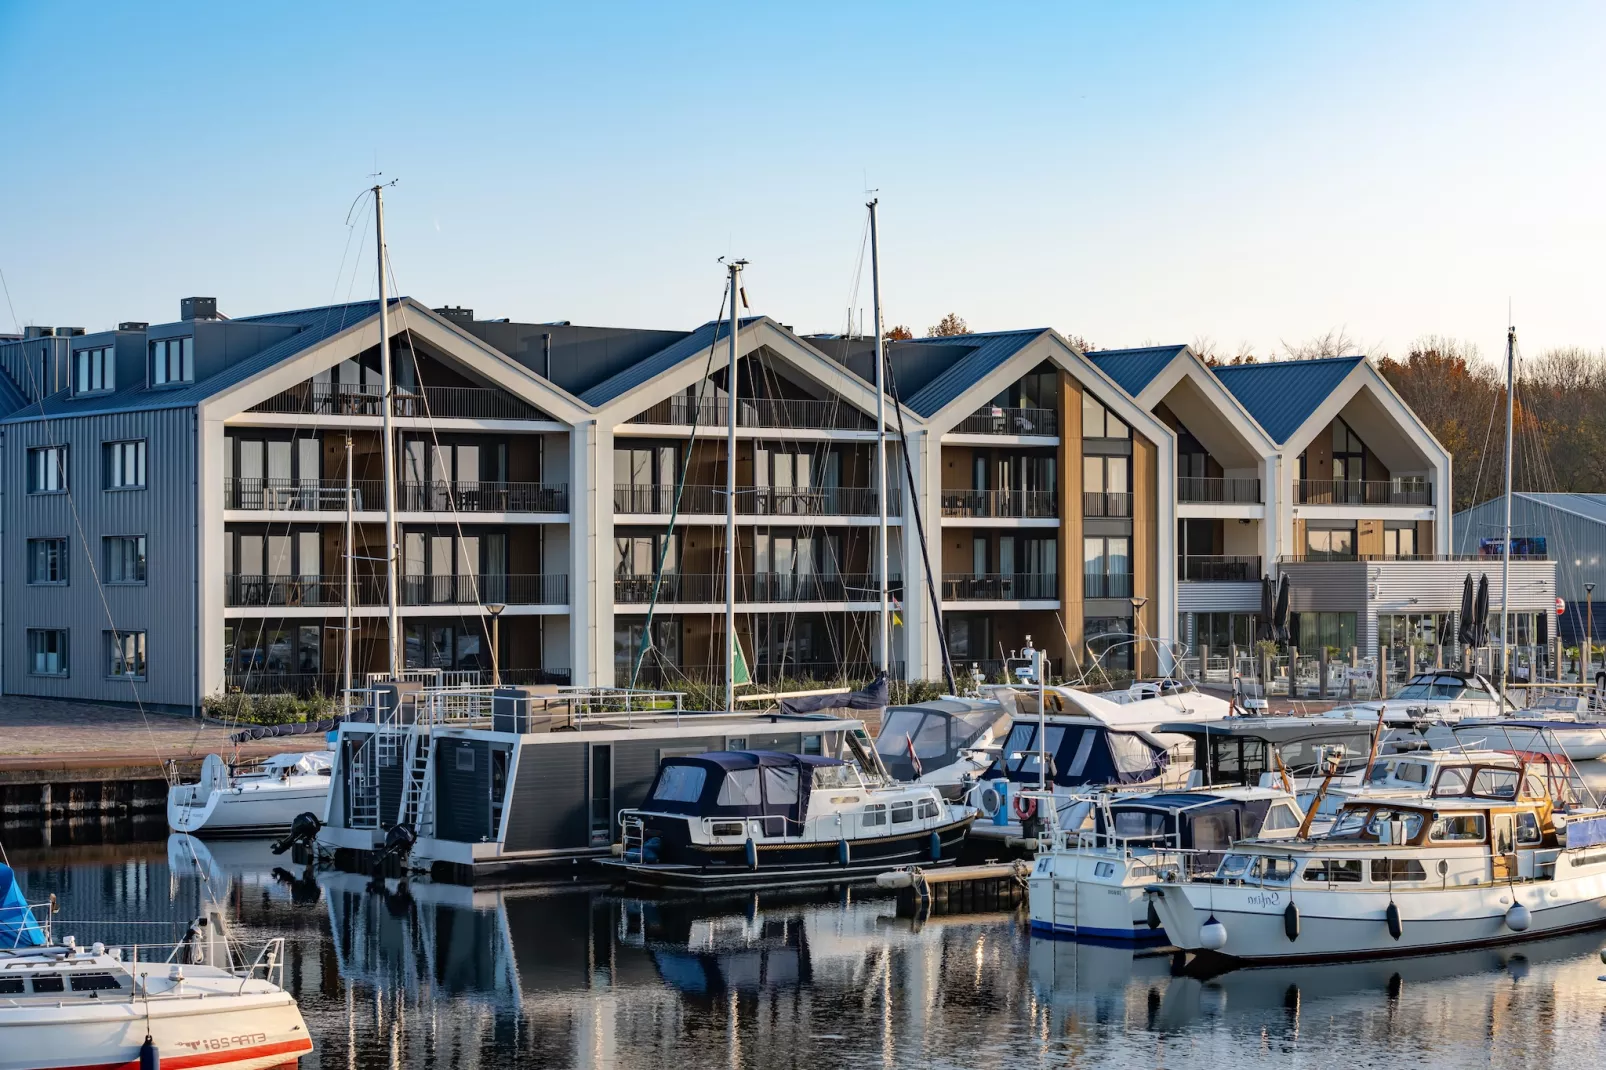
95, 370
173, 361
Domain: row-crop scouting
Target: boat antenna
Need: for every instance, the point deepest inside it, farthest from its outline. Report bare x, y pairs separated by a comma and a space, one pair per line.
387, 388
883, 646
1505, 543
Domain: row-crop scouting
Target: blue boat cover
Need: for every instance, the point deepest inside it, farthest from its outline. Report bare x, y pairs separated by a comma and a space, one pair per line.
18, 927
1586, 832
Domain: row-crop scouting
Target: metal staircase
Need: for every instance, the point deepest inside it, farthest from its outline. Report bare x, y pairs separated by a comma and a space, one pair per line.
417, 807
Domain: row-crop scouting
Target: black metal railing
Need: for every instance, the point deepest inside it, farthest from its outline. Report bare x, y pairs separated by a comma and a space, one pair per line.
757, 412
1106, 503
483, 496
329, 496
1217, 568
470, 590
1363, 492
248, 589
999, 587
306, 684
1107, 585
1000, 503
702, 499
704, 588
1325, 556
996, 420
850, 674
320, 495
448, 402
1218, 489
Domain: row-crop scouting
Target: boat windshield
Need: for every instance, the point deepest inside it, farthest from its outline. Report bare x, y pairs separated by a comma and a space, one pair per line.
1382, 821
1428, 686
836, 776
1234, 867
926, 730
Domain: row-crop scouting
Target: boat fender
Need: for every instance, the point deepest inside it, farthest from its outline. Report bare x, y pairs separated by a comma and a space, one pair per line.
149, 1057
1153, 917
1393, 917
936, 846
1025, 807
752, 853
1518, 918
1291, 922
1212, 934
842, 851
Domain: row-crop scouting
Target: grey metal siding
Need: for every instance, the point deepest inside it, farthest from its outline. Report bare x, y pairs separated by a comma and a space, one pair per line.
1218, 597
165, 513
1331, 587
462, 795
635, 763
548, 799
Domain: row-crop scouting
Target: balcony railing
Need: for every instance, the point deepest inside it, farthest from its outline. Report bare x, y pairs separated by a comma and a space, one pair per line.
450, 402
856, 673
751, 501
1100, 585
1106, 503
330, 591
702, 588
1000, 503
758, 412
1363, 492
996, 420
1218, 489
1005, 587
304, 684
1323, 556
329, 495
1215, 568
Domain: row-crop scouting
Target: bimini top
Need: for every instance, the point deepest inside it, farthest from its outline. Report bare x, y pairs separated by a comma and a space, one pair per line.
1275, 730
743, 783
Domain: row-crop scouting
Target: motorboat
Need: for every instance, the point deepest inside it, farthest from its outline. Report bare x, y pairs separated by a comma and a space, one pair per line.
946, 743
1436, 697
1556, 726
1257, 750
1090, 883
197, 1004
1395, 876
251, 798
745, 818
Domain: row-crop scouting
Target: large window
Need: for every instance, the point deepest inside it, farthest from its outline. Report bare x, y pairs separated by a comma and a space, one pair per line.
1329, 544
47, 561
1314, 631
173, 361
1110, 639
1349, 454
47, 650
124, 558
1106, 567
125, 465
94, 370
125, 655
1106, 486
47, 470
1399, 540
1099, 422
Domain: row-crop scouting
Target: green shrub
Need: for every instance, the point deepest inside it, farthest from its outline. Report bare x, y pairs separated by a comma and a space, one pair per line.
240, 708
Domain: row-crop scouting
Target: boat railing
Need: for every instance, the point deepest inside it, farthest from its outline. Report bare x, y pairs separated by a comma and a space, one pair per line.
268, 964
454, 705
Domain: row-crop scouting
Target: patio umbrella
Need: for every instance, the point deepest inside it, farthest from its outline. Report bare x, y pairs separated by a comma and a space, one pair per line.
1268, 609
1444, 630
1480, 613
1466, 636
1279, 619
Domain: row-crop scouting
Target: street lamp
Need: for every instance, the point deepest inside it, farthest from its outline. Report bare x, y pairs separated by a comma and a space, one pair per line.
1589, 630
495, 610
1138, 602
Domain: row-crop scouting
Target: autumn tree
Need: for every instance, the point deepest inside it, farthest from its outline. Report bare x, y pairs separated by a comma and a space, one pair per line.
900, 333
949, 326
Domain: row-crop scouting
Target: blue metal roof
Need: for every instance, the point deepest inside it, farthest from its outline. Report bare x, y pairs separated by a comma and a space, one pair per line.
663, 360
977, 355
1591, 507
1282, 394
1134, 369
317, 325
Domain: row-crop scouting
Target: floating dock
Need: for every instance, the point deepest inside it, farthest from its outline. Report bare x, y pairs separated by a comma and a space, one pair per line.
958, 890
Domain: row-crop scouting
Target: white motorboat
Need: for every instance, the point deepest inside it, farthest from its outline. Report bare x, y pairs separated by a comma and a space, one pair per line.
195, 1005
1436, 697
1090, 883
1395, 877
1556, 725
248, 799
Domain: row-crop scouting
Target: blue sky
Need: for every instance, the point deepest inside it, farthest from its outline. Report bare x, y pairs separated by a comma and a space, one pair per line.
1243, 173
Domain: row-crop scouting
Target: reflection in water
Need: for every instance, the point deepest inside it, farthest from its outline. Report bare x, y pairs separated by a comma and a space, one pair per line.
394, 974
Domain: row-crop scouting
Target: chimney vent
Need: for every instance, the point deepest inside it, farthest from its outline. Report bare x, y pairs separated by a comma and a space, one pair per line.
198, 308
132, 325
456, 313
39, 332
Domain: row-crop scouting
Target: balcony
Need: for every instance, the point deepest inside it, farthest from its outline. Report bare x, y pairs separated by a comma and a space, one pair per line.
697, 499
996, 420
1216, 489
329, 496
1102, 503
440, 402
1101, 585
1363, 492
1003, 587
705, 588
330, 591
306, 684
1000, 503
804, 413
1216, 568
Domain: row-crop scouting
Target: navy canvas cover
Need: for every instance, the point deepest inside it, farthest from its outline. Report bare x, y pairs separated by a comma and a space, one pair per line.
773, 771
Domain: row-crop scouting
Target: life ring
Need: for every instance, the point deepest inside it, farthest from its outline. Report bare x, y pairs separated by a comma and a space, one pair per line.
1025, 807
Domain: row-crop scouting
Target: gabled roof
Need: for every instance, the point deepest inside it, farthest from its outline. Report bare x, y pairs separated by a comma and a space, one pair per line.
1281, 395
1134, 369
975, 356
619, 383
317, 324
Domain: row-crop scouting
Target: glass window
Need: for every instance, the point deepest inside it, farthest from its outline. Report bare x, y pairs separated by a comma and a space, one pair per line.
1495, 783
125, 558
835, 776
47, 560
1334, 870
1528, 831
740, 788
1412, 772
125, 655
780, 785
1214, 832
1099, 422
173, 361
1458, 828
1280, 816
875, 815
95, 370
1397, 869
928, 808
1138, 824
47, 648
929, 732
903, 812
1330, 544
1350, 824
1234, 867
1383, 821
1275, 870
125, 465
680, 783
47, 470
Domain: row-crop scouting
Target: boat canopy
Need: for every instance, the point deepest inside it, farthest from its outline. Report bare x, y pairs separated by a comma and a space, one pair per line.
741, 783
1196, 821
1239, 750
937, 731
1080, 752
18, 926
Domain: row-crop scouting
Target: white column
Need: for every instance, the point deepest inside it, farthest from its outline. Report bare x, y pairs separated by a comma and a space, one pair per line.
209, 440
590, 554
1165, 549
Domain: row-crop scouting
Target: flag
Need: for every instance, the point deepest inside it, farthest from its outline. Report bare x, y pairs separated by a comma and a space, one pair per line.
914, 759
897, 616
739, 671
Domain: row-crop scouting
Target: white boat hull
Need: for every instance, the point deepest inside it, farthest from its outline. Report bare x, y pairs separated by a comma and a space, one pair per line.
1092, 896
253, 808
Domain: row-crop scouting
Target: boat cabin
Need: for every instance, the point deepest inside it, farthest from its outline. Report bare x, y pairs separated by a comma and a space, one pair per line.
1243, 750
937, 732
1474, 774
1192, 821
1451, 688
1081, 751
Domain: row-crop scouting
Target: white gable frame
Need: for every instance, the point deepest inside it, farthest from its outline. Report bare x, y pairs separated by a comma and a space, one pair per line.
1187, 365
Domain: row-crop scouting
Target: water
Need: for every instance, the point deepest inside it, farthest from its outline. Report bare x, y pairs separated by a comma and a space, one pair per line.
436, 976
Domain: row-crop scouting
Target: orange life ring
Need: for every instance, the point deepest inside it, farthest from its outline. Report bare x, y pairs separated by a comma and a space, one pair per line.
1025, 807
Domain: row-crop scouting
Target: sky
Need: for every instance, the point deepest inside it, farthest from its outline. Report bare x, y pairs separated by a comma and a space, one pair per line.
1239, 175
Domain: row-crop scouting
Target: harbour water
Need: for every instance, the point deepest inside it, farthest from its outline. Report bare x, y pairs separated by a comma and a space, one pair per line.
575, 974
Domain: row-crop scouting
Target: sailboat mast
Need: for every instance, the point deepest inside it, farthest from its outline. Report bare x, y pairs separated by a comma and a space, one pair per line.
393, 610
730, 496
1505, 551
345, 660
883, 650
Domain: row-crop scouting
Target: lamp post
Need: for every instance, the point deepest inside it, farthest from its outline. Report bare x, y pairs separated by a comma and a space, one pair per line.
495, 610
1589, 631
1137, 633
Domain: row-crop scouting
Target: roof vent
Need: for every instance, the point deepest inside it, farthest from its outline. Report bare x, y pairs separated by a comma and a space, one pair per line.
69, 332
132, 325
39, 332
456, 313
198, 308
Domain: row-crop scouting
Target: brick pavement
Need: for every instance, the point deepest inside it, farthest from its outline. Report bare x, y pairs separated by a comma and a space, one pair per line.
37, 731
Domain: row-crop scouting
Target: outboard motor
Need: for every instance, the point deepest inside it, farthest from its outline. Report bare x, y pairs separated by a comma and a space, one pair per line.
302, 830
398, 841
